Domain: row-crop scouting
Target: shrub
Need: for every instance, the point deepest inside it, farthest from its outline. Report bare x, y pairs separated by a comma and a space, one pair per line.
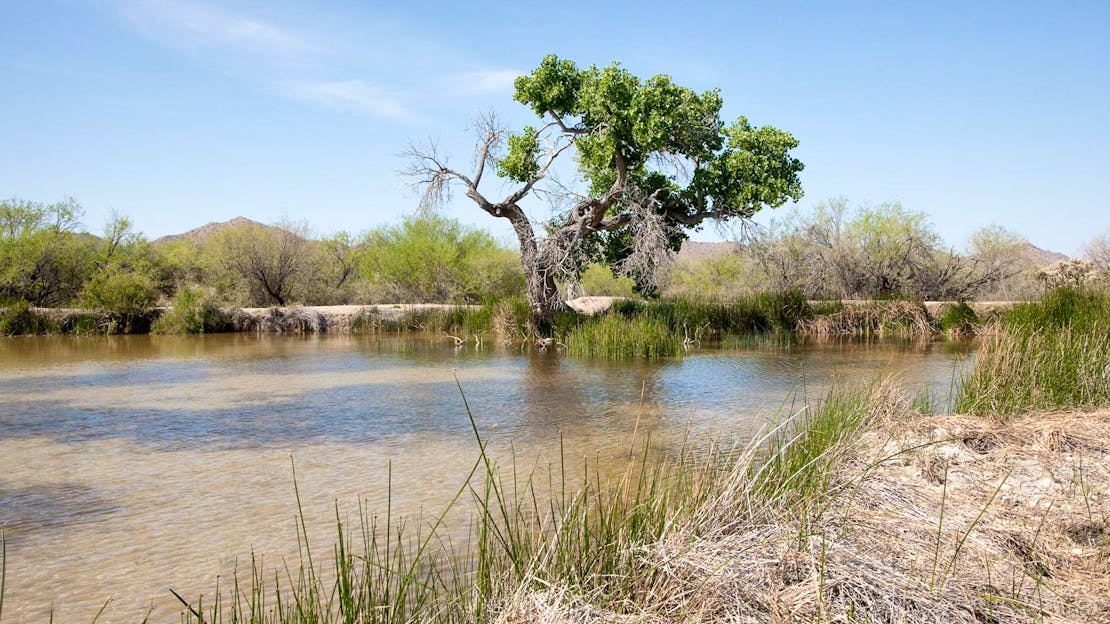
958, 319
19, 319
438, 260
192, 311
126, 294
598, 280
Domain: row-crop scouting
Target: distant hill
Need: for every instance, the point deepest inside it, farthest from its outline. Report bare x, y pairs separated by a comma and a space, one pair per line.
1041, 257
697, 250
209, 229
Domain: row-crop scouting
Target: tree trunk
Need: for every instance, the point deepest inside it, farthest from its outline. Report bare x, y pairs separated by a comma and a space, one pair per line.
543, 292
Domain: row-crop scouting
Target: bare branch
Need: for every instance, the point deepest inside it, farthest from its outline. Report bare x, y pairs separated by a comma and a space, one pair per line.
651, 253
491, 136
431, 176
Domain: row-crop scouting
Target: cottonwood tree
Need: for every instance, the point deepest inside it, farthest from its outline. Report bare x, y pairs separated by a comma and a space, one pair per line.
653, 159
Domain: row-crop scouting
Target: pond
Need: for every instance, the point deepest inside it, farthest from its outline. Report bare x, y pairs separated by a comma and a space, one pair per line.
134, 464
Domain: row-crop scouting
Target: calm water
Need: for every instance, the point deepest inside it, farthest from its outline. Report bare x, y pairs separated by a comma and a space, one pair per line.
129, 465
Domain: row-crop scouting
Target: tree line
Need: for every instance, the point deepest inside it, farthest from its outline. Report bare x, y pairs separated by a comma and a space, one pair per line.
48, 259
837, 251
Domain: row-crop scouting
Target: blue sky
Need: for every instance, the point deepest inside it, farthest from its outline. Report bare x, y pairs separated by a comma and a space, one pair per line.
180, 112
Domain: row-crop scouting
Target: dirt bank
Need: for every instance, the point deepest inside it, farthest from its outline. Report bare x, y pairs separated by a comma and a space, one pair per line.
939, 519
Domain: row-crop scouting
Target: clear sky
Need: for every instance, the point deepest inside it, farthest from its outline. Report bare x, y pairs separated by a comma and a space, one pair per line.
181, 112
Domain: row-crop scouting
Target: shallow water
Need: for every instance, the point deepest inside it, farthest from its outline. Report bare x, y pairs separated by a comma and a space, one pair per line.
133, 464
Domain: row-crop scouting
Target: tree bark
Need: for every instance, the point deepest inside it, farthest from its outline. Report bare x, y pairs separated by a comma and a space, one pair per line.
543, 292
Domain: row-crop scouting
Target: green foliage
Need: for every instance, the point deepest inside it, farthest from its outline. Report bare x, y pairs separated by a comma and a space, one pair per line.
124, 293
958, 319
191, 311
44, 260
616, 336
519, 163
120, 291
334, 270
263, 265
721, 277
18, 319
1053, 354
598, 280
438, 260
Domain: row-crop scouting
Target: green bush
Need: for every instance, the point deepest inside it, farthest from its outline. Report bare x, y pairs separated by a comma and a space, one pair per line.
125, 294
598, 280
19, 319
192, 311
438, 260
958, 319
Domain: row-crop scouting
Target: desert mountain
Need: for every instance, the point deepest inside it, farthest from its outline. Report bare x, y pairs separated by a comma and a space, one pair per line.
209, 229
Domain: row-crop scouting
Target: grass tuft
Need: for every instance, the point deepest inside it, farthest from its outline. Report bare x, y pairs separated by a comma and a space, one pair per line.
615, 336
1053, 354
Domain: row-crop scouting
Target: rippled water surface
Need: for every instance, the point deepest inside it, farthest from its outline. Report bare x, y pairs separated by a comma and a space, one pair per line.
133, 464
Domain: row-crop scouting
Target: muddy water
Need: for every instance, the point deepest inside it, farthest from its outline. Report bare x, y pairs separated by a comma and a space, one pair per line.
131, 465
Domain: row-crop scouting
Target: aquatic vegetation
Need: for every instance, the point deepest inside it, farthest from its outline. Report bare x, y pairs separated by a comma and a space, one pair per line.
845, 508
873, 319
1045, 355
615, 336
958, 319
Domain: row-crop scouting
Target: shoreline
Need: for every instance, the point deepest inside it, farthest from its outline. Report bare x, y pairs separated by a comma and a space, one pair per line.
854, 317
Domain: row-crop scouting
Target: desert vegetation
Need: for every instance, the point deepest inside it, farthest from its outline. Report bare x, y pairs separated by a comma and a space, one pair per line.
59, 277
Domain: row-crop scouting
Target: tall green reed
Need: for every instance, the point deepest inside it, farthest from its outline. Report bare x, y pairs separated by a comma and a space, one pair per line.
1051, 354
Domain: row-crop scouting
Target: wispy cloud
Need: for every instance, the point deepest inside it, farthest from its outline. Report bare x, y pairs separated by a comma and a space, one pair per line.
353, 95
485, 81
191, 25
391, 75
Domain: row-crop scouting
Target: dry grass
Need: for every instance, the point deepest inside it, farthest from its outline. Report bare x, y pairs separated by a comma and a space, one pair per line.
872, 319
941, 519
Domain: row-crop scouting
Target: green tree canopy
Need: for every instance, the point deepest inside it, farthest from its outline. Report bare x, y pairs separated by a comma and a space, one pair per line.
435, 259
653, 157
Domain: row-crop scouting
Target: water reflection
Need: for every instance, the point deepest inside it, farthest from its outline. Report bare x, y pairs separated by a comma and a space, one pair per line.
130, 464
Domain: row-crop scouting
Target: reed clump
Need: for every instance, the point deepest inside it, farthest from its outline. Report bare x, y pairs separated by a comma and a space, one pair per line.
616, 336
873, 319
760, 313
958, 320
1053, 354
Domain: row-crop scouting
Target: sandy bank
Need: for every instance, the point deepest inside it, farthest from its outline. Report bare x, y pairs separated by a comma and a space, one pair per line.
934, 519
